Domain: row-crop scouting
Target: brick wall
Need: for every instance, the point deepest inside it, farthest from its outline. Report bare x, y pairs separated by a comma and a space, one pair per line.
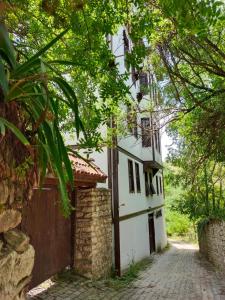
93, 233
212, 242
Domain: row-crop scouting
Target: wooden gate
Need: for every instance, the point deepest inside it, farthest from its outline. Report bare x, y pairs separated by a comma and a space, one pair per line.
49, 232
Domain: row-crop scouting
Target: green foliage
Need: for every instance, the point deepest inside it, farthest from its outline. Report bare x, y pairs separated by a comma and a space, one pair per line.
178, 223
64, 77
129, 275
30, 87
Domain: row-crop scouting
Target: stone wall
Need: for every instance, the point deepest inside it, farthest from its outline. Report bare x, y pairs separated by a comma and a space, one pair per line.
93, 233
212, 242
16, 257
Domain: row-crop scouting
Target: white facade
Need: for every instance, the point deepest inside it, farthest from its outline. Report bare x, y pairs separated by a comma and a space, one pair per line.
134, 206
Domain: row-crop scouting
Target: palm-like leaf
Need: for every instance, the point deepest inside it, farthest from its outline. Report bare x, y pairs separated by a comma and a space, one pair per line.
29, 86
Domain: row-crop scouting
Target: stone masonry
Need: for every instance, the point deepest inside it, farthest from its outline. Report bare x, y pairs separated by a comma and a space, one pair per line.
212, 242
93, 233
16, 264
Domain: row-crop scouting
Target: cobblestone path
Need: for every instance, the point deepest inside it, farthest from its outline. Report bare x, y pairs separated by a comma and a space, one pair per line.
178, 274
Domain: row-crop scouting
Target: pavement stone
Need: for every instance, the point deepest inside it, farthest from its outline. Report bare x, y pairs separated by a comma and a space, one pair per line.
178, 274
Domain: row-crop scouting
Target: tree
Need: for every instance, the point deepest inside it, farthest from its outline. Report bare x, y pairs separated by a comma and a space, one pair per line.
30, 137
82, 59
62, 60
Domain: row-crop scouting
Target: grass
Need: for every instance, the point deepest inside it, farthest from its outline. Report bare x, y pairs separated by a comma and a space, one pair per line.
129, 275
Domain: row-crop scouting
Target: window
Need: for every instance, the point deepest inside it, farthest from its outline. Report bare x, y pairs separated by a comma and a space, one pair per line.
158, 213
138, 183
143, 83
126, 48
135, 128
157, 185
152, 189
149, 187
146, 134
126, 42
132, 121
134, 75
160, 184
131, 176
157, 139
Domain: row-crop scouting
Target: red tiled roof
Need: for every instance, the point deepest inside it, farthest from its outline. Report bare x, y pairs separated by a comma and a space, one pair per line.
84, 169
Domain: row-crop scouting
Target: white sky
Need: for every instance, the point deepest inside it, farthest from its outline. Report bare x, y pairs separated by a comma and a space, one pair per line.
165, 143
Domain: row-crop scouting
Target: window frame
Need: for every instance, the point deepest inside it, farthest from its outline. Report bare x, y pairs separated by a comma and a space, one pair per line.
160, 185
151, 185
144, 82
131, 176
157, 184
147, 188
132, 123
146, 136
137, 176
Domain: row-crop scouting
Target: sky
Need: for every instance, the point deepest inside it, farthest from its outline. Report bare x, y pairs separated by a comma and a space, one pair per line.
165, 143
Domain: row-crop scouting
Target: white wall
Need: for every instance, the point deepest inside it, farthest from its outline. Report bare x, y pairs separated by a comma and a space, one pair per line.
160, 231
134, 240
134, 202
101, 160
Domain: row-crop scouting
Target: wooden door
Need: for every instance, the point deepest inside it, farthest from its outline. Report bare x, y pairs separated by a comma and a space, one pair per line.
151, 227
49, 232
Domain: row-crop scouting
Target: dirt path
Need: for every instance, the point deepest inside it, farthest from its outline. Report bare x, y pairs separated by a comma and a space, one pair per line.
179, 273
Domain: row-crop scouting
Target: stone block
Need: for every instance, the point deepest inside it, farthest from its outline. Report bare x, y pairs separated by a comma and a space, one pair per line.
16, 240
24, 263
9, 219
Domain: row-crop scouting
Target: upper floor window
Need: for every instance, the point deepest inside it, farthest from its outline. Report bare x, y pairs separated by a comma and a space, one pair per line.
149, 187
132, 121
126, 48
143, 83
137, 172
126, 42
131, 176
157, 140
160, 185
157, 185
134, 75
146, 132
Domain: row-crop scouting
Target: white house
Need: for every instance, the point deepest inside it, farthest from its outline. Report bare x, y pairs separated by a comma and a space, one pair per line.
134, 170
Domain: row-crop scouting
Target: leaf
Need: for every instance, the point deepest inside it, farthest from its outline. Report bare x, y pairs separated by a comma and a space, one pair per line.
34, 59
7, 47
66, 63
55, 160
70, 95
3, 79
15, 130
2, 129
65, 158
